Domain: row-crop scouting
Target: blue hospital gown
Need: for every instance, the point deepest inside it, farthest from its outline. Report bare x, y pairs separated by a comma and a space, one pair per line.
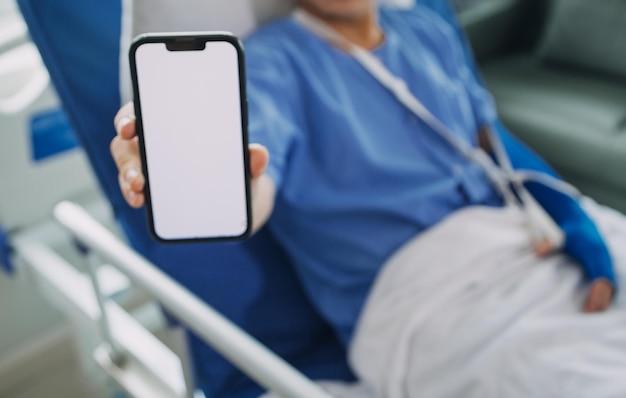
357, 174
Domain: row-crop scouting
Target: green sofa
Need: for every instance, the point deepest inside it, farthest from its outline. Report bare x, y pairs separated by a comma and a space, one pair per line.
560, 86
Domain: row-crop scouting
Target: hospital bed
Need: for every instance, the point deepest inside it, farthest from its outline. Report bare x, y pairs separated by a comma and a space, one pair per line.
80, 44
240, 305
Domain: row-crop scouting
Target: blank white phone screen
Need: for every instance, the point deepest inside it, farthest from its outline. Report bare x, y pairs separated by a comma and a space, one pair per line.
191, 114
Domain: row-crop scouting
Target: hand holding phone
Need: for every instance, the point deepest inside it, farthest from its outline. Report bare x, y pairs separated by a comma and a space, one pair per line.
191, 123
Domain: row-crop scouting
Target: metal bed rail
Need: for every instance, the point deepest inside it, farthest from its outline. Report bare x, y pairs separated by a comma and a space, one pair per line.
262, 365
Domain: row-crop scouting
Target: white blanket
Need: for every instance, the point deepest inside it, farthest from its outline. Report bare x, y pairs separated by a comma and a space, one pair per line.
467, 310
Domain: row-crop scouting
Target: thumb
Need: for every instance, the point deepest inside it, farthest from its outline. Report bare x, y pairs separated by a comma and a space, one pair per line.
259, 158
600, 296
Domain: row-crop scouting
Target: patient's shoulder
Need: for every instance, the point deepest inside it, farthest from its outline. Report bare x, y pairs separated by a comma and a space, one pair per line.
285, 42
420, 21
273, 35
424, 27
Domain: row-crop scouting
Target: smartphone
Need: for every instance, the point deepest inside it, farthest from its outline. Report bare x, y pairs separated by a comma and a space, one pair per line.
190, 104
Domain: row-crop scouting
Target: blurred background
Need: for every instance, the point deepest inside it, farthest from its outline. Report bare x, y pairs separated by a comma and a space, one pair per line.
557, 70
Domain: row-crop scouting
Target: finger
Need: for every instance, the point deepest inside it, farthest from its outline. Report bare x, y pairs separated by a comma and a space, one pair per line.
133, 198
590, 305
131, 184
599, 297
130, 177
595, 304
133, 178
125, 121
259, 158
125, 153
544, 247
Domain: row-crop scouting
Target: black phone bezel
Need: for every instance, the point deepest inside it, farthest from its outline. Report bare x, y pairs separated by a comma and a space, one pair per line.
191, 41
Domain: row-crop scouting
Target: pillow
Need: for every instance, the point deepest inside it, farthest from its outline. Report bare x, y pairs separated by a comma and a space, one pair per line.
586, 34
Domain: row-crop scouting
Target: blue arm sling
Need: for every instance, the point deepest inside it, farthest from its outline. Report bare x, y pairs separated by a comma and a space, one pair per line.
583, 241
